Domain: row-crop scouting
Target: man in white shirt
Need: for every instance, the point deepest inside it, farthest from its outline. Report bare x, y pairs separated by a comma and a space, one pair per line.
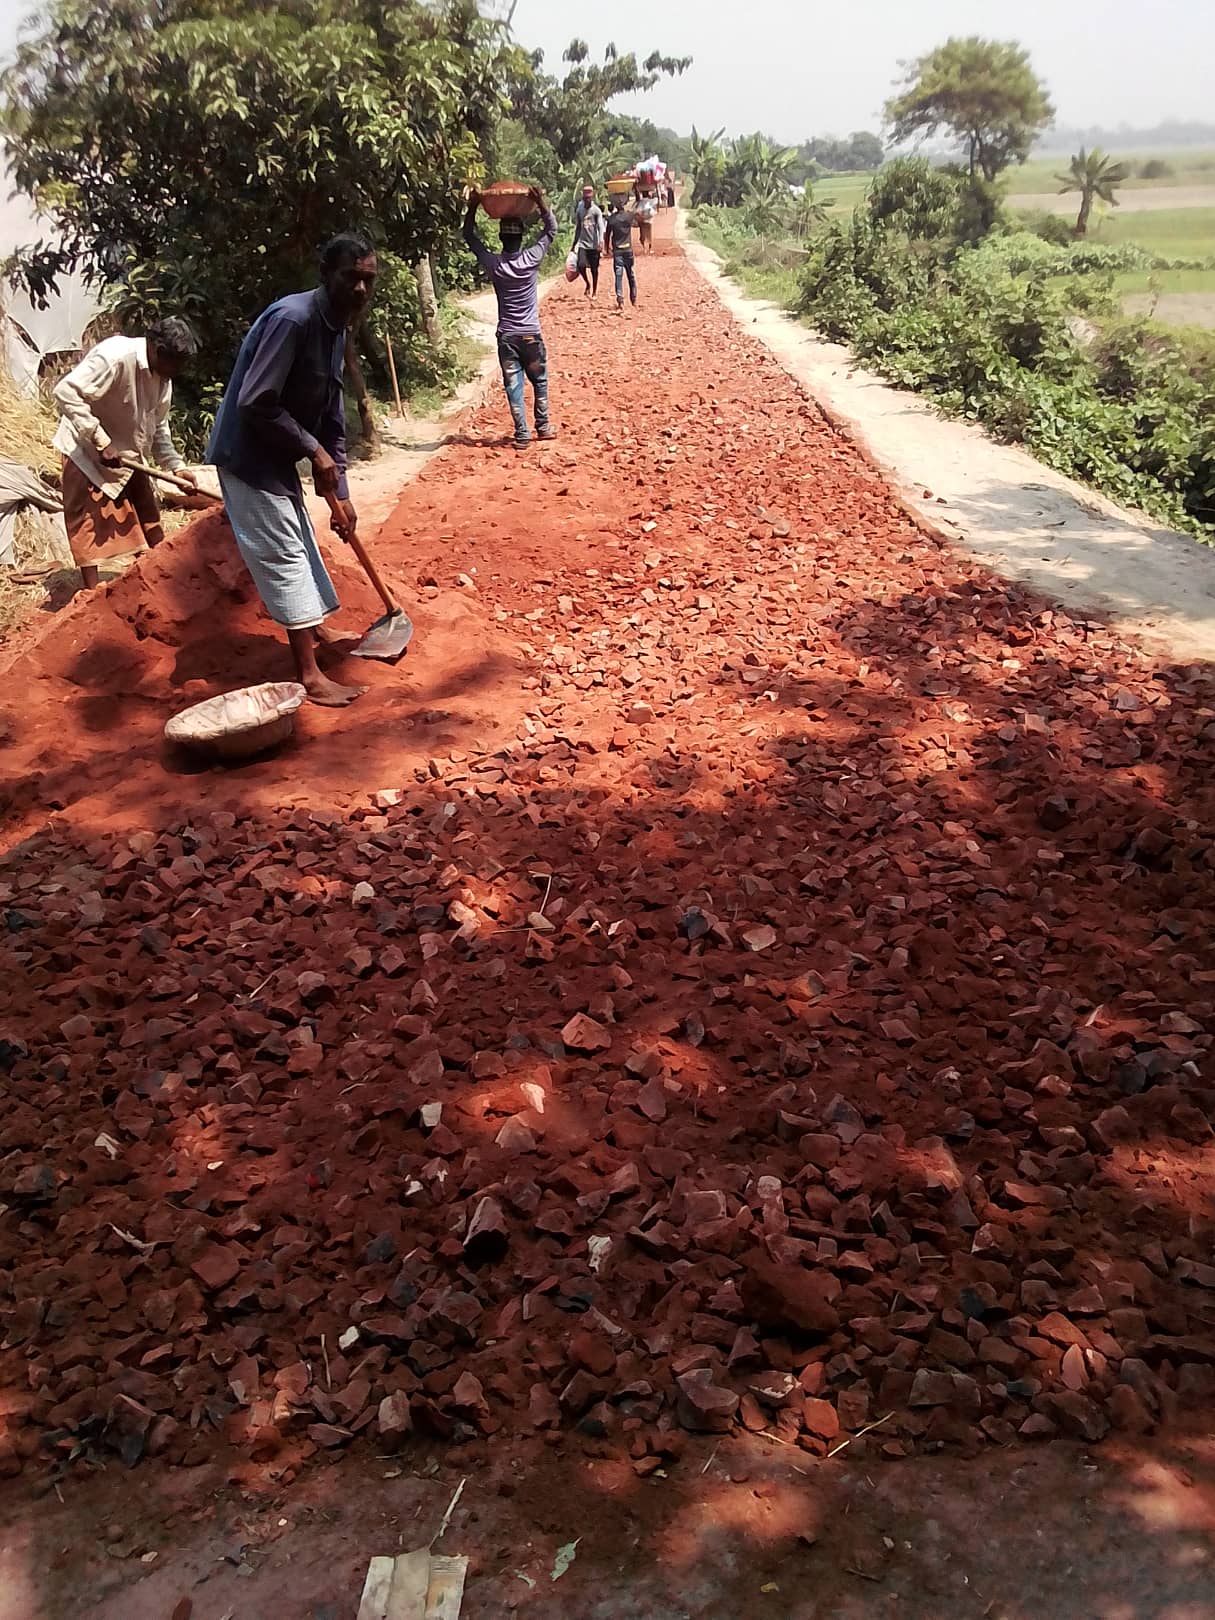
115, 405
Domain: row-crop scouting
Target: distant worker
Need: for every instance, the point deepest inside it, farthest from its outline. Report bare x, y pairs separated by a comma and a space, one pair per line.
283, 404
620, 224
646, 209
115, 406
588, 239
515, 274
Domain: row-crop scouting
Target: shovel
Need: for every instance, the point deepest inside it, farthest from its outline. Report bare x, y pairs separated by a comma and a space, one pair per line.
389, 636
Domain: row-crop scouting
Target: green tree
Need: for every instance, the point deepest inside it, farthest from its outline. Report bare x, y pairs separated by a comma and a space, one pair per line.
983, 92
560, 132
707, 165
1094, 175
723, 175
570, 113
193, 154
767, 208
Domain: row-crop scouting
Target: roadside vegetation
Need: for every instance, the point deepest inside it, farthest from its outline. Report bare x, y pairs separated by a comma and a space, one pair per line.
193, 155
1015, 322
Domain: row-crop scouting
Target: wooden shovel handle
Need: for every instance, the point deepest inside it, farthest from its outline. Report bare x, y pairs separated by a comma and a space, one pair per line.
351, 537
163, 477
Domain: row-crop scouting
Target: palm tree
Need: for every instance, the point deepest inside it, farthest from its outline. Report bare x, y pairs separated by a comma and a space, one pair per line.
707, 165
755, 163
766, 208
807, 213
1093, 174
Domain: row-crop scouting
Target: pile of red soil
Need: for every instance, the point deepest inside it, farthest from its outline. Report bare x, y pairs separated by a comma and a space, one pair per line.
803, 1020
86, 695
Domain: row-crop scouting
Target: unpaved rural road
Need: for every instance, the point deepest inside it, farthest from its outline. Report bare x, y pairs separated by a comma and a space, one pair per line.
806, 936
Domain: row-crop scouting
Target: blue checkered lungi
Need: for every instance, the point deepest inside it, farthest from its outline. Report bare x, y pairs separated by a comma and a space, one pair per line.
275, 537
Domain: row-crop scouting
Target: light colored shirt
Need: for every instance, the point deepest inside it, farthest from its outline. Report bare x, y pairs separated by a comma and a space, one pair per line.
588, 218
113, 399
646, 209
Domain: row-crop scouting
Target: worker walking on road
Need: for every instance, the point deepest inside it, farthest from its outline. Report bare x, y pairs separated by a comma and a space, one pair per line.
647, 208
515, 274
115, 408
620, 224
283, 404
588, 239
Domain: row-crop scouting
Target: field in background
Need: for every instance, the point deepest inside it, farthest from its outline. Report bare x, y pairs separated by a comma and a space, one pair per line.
1190, 167
840, 193
1171, 215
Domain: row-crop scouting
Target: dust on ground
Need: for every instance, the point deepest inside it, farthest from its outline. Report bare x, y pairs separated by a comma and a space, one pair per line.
802, 930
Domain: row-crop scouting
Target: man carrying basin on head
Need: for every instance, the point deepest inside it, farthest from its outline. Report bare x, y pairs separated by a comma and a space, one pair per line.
283, 404
515, 274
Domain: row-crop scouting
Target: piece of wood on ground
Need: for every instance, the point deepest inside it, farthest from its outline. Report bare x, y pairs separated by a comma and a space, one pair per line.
414, 1586
446, 1592
396, 1588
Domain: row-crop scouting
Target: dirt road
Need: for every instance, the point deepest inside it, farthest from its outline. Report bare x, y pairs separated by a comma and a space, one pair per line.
799, 942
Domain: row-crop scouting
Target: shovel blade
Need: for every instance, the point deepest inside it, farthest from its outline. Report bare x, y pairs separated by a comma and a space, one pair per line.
387, 638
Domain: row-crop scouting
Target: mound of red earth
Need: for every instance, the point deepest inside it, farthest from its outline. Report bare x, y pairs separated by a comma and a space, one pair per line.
801, 1018
86, 694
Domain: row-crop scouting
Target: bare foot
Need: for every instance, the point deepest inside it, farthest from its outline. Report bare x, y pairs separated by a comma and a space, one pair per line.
331, 694
336, 638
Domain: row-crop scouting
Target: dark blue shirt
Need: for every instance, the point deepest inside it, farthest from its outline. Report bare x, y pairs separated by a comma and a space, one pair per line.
284, 396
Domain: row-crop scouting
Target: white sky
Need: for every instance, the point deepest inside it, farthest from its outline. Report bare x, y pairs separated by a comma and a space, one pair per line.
796, 68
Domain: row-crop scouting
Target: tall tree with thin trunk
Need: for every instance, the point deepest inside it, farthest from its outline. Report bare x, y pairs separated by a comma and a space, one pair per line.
1094, 175
983, 92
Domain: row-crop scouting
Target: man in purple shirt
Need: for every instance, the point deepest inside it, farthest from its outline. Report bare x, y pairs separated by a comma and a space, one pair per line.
515, 274
283, 405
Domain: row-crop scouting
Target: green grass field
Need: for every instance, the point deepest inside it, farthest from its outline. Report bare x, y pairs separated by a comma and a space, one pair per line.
1190, 167
1166, 281
1175, 233
840, 193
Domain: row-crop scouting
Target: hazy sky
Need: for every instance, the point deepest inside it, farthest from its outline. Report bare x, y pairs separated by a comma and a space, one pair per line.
796, 68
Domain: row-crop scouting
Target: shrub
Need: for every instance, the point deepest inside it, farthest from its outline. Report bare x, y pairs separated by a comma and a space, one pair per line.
1155, 169
1053, 228
987, 331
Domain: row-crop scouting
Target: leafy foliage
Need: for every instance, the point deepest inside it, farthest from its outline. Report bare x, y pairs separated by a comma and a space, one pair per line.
988, 331
861, 151
982, 92
560, 132
194, 154
723, 175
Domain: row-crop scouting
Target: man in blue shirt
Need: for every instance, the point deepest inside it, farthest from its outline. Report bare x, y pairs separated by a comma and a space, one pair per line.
515, 274
283, 404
